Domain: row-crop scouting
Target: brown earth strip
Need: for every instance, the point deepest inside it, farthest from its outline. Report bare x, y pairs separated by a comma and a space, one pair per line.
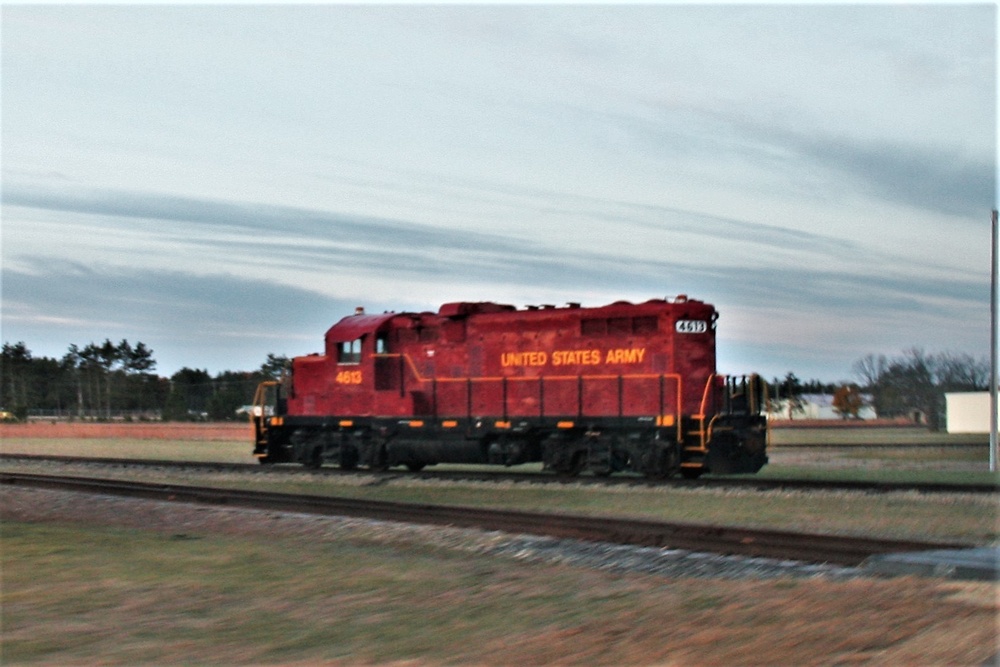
128, 430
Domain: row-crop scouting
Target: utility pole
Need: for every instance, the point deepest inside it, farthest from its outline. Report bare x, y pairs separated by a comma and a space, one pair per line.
993, 345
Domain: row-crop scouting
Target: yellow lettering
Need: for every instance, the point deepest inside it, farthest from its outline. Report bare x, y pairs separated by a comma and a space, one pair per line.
576, 357
539, 358
625, 356
349, 377
573, 357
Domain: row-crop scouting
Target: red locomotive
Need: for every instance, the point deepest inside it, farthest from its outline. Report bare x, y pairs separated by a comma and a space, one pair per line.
620, 387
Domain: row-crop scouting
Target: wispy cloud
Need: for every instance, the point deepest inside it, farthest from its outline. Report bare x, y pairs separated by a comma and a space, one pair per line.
938, 180
297, 237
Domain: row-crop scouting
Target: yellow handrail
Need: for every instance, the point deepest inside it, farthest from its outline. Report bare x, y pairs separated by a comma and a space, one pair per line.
258, 412
631, 376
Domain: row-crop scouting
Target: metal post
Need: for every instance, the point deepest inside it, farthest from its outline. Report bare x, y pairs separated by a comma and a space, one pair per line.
468, 399
503, 385
993, 346
541, 396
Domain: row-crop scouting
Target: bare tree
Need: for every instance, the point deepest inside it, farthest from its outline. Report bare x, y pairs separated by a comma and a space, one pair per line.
961, 372
914, 383
870, 368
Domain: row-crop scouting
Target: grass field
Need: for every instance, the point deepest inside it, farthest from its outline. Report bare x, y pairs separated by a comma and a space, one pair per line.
972, 519
963, 518
966, 463
77, 595
969, 519
787, 434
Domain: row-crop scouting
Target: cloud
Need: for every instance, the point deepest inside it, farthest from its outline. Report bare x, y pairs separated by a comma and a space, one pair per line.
273, 278
773, 321
220, 322
376, 236
185, 304
937, 180
292, 238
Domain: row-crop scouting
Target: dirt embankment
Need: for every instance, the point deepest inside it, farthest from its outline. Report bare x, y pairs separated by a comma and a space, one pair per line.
127, 430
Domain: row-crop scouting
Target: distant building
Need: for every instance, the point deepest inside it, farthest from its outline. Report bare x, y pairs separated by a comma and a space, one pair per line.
814, 406
968, 412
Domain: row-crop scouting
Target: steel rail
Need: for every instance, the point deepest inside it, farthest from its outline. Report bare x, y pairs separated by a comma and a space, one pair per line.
754, 483
810, 547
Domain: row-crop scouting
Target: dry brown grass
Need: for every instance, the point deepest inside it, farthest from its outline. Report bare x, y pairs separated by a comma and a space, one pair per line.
119, 590
126, 430
253, 593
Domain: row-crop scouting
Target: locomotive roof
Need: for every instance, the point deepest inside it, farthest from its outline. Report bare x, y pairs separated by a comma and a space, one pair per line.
353, 327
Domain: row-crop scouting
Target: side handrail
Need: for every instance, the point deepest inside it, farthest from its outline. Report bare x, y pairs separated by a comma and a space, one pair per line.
258, 408
752, 407
703, 431
675, 377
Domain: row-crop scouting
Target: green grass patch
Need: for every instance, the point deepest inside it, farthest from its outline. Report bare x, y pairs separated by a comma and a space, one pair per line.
970, 519
967, 454
965, 518
877, 474
865, 435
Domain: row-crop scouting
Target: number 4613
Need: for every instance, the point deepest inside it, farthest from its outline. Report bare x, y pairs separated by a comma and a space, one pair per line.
349, 377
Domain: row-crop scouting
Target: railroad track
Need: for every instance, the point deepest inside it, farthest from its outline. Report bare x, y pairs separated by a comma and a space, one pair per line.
508, 476
817, 548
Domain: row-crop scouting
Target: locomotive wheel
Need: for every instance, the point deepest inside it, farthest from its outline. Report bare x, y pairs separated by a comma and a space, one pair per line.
692, 473
415, 467
576, 466
348, 458
380, 459
316, 460
665, 463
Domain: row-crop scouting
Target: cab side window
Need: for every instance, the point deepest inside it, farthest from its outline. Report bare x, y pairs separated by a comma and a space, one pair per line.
349, 352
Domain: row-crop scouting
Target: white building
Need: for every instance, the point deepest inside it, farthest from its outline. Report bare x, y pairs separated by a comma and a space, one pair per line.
968, 412
815, 406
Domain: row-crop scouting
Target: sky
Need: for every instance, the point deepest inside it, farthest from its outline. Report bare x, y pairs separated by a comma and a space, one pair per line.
223, 182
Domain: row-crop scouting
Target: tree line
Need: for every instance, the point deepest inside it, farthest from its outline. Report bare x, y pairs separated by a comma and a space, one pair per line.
910, 385
915, 382
108, 380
